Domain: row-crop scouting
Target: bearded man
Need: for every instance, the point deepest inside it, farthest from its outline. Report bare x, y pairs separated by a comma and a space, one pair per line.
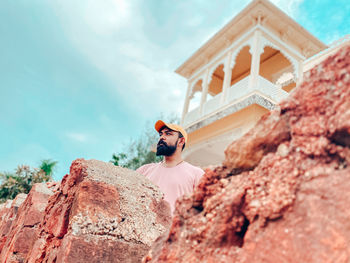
173, 175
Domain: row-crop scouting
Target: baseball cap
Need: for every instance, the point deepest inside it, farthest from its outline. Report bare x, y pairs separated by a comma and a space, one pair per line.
160, 124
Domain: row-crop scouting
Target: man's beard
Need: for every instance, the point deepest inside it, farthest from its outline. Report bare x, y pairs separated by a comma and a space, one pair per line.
164, 149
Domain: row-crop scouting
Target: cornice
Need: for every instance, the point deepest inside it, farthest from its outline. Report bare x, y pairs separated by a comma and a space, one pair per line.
250, 100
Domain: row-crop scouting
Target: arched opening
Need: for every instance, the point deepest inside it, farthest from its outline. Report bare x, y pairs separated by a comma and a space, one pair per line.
215, 87
217, 81
195, 96
286, 81
242, 65
277, 69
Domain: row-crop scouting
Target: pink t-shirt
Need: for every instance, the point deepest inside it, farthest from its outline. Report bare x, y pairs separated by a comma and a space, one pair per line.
174, 181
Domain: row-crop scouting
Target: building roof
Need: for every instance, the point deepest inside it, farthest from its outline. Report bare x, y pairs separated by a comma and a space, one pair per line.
272, 18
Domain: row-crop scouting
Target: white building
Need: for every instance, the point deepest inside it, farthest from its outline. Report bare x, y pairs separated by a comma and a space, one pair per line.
242, 72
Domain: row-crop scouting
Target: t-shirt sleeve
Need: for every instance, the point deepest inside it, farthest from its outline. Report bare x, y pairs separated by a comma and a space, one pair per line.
198, 176
142, 169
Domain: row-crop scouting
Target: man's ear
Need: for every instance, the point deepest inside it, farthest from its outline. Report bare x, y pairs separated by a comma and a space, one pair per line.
181, 142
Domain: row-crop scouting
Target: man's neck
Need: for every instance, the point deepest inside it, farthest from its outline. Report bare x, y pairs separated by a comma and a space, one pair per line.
172, 161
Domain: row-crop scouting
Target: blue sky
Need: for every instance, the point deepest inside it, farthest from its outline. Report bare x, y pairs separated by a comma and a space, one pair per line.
80, 78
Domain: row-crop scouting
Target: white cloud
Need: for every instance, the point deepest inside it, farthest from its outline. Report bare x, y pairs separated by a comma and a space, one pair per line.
196, 20
137, 65
290, 7
154, 90
113, 36
76, 136
107, 16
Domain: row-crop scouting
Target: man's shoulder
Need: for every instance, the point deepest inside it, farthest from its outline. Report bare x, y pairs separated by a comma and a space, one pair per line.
144, 168
194, 168
148, 165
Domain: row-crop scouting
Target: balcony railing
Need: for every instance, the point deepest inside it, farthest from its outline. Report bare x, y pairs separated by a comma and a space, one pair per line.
192, 116
239, 90
212, 105
270, 90
236, 92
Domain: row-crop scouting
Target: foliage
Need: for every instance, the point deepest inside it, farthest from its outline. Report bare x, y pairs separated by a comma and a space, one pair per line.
22, 180
118, 158
141, 151
48, 166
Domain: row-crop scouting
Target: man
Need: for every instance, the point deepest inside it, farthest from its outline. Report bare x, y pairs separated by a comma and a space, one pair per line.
173, 175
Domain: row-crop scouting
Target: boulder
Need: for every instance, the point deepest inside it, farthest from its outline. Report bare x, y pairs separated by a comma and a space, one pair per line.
8, 213
23, 231
100, 213
281, 194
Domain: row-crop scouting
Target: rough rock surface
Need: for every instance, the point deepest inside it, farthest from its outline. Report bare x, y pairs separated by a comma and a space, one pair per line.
23, 231
100, 213
282, 194
8, 213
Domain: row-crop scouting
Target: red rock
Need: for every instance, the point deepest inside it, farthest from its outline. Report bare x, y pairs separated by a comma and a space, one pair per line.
282, 192
100, 213
23, 231
4, 209
8, 215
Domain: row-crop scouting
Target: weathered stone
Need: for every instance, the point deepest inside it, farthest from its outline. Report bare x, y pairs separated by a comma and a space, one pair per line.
282, 192
9, 213
23, 231
100, 213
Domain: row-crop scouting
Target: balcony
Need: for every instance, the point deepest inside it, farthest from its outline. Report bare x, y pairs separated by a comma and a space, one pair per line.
236, 93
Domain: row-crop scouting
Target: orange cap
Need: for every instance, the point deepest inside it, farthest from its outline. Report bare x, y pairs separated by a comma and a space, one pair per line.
160, 124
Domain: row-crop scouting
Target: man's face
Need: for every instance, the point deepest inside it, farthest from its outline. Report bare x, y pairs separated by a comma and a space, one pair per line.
167, 143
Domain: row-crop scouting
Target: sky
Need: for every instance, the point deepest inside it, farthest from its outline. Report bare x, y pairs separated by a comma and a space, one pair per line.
79, 78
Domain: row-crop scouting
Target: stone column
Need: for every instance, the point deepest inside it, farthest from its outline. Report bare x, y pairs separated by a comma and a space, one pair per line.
227, 77
204, 90
187, 102
255, 50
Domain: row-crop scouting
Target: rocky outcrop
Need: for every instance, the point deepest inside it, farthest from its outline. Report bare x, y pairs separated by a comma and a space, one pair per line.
23, 231
8, 213
282, 193
99, 213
